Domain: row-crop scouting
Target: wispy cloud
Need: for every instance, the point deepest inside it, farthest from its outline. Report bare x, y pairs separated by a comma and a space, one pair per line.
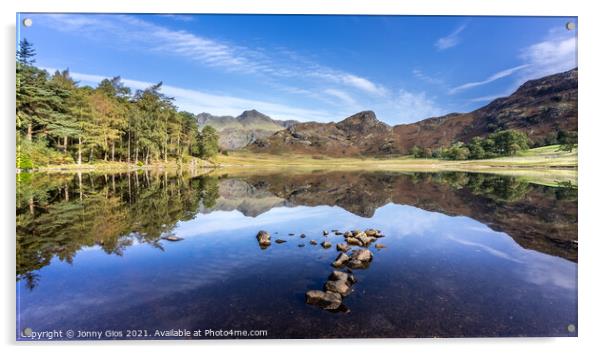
341, 95
451, 40
556, 54
414, 106
135, 32
197, 101
499, 75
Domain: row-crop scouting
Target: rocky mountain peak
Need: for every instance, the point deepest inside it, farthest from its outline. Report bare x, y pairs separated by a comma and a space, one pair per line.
362, 122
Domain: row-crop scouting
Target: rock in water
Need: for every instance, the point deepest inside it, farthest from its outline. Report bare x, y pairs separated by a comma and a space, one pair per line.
379, 245
348, 234
338, 286
362, 255
326, 244
301, 245
341, 260
172, 238
280, 241
325, 232
325, 299
342, 247
338, 275
313, 242
302, 236
263, 237
353, 241
371, 232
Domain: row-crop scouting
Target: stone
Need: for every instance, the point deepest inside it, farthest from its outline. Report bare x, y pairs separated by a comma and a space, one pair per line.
342, 258
353, 241
291, 234
280, 241
362, 255
338, 286
365, 240
172, 238
355, 232
355, 264
263, 237
326, 244
379, 245
338, 233
302, 236
313, 242
371, 232
324, 299
338, 275
325, 232
301, 245
348, 234
342, 247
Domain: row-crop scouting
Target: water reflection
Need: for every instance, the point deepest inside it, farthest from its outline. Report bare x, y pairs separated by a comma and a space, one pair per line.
464, 254
57, 215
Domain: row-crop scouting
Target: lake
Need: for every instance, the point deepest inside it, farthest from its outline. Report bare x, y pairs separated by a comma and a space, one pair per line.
465, 254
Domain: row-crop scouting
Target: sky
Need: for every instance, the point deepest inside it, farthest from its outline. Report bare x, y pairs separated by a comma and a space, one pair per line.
308, 68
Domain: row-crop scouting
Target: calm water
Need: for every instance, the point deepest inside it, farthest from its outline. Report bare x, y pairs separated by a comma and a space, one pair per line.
466, 254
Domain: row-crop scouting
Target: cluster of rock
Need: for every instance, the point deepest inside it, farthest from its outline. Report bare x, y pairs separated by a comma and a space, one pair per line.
340, 282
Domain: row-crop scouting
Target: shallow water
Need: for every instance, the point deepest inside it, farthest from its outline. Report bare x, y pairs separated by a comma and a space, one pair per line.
465, 254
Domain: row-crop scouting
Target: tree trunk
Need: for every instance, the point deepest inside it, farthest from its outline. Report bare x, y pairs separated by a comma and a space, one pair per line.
129, 152
29, 131
79, 151
113, 151
65, 142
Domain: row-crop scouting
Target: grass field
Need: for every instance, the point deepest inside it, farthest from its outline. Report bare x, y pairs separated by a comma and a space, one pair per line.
545, 165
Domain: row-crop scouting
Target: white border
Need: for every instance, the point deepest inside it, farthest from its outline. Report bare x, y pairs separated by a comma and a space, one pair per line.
589, 172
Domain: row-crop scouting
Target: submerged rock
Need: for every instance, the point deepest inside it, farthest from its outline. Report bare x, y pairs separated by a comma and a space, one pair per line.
342, 258
326, 244
313, 242
338, 233
291, 234
263, 237
325, 299
379, 245
280, 241
302, 236
301, 245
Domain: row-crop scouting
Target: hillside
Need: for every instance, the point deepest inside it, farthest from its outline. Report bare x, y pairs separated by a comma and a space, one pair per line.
539, 108
238, 132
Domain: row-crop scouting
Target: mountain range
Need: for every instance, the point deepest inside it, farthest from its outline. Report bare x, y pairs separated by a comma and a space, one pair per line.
539, 107
237, 132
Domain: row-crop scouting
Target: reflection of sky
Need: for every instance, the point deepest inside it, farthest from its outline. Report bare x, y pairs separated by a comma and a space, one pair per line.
221, 246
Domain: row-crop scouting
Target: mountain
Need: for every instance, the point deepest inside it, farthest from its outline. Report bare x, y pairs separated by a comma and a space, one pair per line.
537, 217
237, 132
539, 108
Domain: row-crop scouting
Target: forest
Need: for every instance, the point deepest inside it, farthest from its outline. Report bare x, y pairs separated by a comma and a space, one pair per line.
62, 122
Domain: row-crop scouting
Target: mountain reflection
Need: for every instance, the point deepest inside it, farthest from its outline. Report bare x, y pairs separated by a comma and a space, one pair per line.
59, 214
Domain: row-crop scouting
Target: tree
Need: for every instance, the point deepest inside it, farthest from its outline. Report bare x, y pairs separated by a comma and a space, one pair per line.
509, 142
209, 142
567, 140
25, 53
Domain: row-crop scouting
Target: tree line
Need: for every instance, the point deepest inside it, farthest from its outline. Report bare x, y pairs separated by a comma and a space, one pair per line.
501, 143
59, 121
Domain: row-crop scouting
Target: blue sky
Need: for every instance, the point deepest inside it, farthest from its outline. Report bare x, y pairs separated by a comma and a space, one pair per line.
309, 68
